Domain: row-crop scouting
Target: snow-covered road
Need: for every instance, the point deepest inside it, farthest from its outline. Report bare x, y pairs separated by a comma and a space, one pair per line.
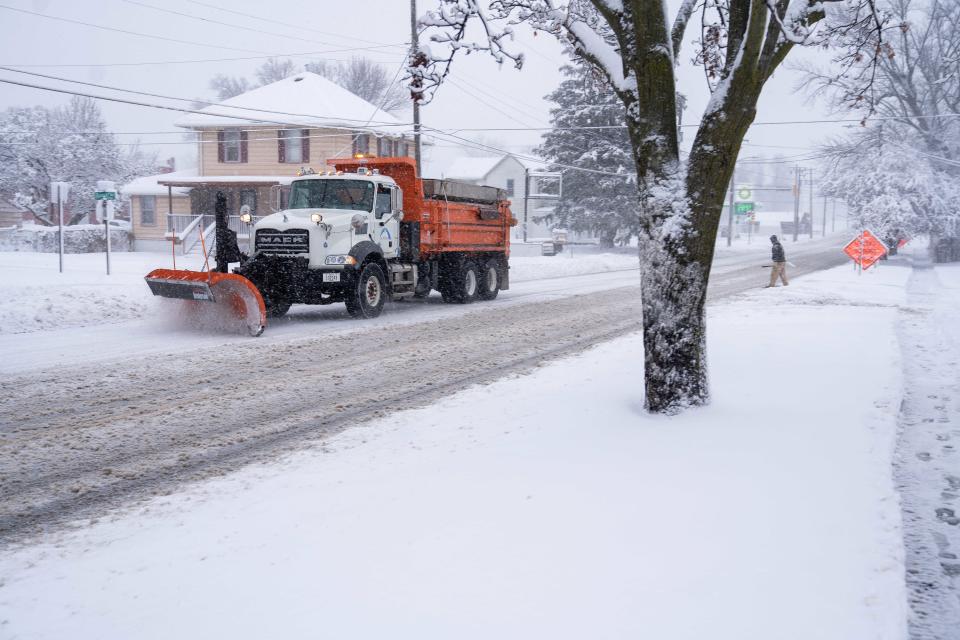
96, 416
546, 505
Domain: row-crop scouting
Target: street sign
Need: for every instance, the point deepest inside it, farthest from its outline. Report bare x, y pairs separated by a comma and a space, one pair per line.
105, 195
743, 208
744, 193
865, 249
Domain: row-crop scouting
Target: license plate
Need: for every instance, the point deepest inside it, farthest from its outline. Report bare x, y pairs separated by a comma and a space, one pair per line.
331, 277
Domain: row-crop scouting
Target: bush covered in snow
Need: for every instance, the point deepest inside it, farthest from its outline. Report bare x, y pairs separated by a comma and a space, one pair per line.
81, 238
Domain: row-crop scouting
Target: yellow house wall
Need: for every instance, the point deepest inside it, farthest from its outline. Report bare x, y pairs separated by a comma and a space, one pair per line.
181, 204
263, 156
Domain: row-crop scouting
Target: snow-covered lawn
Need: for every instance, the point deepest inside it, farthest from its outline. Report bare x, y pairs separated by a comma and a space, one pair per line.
35, 296
542, 506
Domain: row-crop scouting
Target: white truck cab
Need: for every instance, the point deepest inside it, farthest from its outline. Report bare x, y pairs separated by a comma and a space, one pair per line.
328, 215
337, 240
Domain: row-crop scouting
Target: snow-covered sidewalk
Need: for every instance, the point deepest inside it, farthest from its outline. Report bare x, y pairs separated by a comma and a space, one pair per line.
928, 462
542, 506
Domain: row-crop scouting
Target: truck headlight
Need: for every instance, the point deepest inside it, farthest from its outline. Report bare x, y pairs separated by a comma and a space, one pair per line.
246, 217
316, 217
340, 260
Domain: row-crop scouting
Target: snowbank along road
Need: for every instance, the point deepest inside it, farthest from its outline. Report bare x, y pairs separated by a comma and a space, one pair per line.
76, 440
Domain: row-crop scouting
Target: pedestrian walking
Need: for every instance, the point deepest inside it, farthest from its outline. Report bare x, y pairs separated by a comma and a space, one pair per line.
779, 269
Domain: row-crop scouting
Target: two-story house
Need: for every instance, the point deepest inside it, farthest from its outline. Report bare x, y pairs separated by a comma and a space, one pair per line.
252, 145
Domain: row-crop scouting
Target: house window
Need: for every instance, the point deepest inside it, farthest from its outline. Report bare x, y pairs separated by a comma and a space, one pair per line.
293, 145
361, 143
387, 148
230, 145
510, 184
148, 211
249, 197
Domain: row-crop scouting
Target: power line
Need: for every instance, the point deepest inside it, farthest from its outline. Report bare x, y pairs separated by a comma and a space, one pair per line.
237, 26
124, 31
164, 63
484, 102
166, 97
312, 136
179, 109
285, 24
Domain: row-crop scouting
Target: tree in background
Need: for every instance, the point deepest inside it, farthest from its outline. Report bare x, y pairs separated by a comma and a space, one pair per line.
70, 143
360, 76
602, 202
893, 189
227, 87
365, 78
899, 174
274, 70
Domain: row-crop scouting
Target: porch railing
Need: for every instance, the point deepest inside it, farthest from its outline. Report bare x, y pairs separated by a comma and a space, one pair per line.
184, 230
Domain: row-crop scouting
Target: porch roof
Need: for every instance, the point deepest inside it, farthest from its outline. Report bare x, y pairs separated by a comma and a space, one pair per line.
226, 181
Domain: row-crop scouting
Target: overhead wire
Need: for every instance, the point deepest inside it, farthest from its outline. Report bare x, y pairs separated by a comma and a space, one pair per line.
126, 31
176, 98
273, 21
251, 29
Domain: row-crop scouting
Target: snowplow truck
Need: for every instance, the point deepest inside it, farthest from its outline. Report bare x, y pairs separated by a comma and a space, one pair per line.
369, 231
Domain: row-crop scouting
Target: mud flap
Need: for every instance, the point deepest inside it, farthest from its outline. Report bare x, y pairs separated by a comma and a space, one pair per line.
231, 298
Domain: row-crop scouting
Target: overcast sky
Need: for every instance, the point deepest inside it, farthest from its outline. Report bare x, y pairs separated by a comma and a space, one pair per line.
480, 95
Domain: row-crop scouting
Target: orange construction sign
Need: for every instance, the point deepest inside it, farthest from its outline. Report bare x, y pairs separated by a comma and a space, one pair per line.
865, 249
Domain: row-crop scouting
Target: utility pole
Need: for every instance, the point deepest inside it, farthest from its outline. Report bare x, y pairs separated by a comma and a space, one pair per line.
733, 182
796, 202
526, 200
833, 216
414, 50
810, 175
824, 234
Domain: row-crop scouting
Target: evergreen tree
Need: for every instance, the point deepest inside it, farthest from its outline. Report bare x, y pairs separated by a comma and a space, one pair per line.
596, 203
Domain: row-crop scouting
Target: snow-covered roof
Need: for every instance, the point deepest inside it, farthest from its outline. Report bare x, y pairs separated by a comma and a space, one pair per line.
471, 168
150, 185
305, 99
534, 164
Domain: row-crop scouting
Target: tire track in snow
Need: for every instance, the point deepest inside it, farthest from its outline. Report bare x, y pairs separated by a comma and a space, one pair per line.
76, 442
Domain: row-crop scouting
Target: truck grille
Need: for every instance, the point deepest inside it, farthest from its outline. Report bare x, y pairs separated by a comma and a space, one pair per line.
288, 242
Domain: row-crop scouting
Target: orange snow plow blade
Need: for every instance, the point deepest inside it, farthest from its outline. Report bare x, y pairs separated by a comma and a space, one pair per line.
234, 298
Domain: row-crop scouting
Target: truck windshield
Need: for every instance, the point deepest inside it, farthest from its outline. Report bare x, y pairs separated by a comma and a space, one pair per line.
356, 195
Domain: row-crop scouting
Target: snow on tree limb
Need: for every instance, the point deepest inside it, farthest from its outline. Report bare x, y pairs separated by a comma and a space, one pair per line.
448, 25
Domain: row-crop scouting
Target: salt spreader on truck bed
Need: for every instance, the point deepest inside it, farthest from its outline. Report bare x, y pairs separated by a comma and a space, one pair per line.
370, 230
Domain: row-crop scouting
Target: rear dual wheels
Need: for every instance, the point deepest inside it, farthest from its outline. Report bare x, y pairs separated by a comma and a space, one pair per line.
489, 281
367, 297
460, 284
468, 282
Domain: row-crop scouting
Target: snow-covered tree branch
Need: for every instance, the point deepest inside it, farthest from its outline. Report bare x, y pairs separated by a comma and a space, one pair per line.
68, 143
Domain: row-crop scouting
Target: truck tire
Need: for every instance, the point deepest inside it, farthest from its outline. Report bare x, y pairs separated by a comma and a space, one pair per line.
276, 306
462, 285
368, 296
489, 281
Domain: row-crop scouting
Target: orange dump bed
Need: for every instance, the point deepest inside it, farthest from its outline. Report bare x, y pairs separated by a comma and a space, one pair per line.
446, 223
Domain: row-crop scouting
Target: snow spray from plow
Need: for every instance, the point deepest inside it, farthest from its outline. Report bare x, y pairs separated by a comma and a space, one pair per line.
228, 299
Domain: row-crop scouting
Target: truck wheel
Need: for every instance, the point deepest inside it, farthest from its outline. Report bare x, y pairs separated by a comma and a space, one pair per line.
276, 306
461, 286
489, 281
367, 298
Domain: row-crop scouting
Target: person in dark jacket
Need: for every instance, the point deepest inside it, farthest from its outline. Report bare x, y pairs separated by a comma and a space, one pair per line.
779, 269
